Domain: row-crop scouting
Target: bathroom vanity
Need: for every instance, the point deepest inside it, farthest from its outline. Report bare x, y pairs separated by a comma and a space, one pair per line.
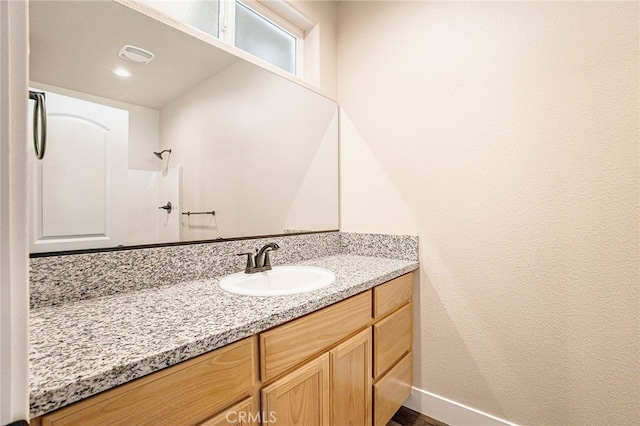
341, 354
348, 363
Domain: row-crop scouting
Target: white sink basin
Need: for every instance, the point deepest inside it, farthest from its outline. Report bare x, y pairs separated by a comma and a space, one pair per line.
279, 281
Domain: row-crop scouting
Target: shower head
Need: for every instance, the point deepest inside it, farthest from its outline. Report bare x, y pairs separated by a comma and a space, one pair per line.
159, 154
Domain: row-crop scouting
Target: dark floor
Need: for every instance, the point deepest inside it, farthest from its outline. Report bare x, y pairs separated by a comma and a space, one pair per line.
408, 417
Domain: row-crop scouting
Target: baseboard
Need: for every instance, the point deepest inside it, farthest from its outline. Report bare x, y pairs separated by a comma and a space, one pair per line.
450, 412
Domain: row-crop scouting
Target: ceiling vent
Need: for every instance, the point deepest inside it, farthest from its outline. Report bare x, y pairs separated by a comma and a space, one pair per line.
135, 54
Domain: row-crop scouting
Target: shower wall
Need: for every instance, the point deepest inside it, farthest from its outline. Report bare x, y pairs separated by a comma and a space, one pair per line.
147, 191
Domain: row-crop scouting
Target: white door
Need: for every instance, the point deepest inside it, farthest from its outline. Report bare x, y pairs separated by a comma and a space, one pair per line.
80, 187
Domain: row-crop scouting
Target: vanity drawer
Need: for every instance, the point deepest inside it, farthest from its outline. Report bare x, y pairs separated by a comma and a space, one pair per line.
389, 296
184, 394
287, 345
392, 390
245, 413
392, 338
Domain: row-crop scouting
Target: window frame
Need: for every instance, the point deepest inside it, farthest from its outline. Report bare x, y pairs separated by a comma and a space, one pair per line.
227, 22
280, 13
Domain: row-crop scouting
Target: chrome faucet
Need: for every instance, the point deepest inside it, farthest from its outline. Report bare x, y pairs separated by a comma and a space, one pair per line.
260, 262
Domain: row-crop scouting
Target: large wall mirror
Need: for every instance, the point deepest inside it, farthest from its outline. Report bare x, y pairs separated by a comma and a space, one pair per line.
233, 148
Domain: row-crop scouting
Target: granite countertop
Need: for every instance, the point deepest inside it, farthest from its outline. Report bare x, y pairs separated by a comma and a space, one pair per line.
85, 347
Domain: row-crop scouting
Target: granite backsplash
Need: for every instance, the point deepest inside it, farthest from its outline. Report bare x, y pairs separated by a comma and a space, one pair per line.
55, 280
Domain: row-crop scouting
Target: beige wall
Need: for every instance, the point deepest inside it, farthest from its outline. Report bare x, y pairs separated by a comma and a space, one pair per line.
320, 44
506, 136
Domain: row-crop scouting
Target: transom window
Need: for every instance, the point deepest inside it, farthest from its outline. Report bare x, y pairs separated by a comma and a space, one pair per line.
246, 24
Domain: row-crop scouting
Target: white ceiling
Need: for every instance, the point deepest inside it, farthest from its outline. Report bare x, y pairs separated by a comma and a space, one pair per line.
75, 45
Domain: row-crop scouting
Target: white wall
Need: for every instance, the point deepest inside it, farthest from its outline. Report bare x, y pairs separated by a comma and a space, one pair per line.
14, 147
506, 136
144, 138
254, 146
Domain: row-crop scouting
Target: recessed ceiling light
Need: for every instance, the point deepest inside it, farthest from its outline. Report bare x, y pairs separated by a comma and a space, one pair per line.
121, 72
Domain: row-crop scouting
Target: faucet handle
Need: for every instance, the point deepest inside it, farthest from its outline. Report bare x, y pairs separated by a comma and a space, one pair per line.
249, 261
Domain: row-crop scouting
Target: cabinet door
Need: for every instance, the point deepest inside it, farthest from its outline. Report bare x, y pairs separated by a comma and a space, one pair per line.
351, 381
301, 397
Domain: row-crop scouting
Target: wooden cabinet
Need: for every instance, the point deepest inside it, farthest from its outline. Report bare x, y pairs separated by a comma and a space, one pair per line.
351, 381
186, 394
287, 345
334, 387
392, 389
245, 413
347, 364
300, 398
368, 340
393, 338
391, 295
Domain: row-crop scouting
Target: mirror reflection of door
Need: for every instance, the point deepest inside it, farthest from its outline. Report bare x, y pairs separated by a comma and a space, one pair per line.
79, 188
